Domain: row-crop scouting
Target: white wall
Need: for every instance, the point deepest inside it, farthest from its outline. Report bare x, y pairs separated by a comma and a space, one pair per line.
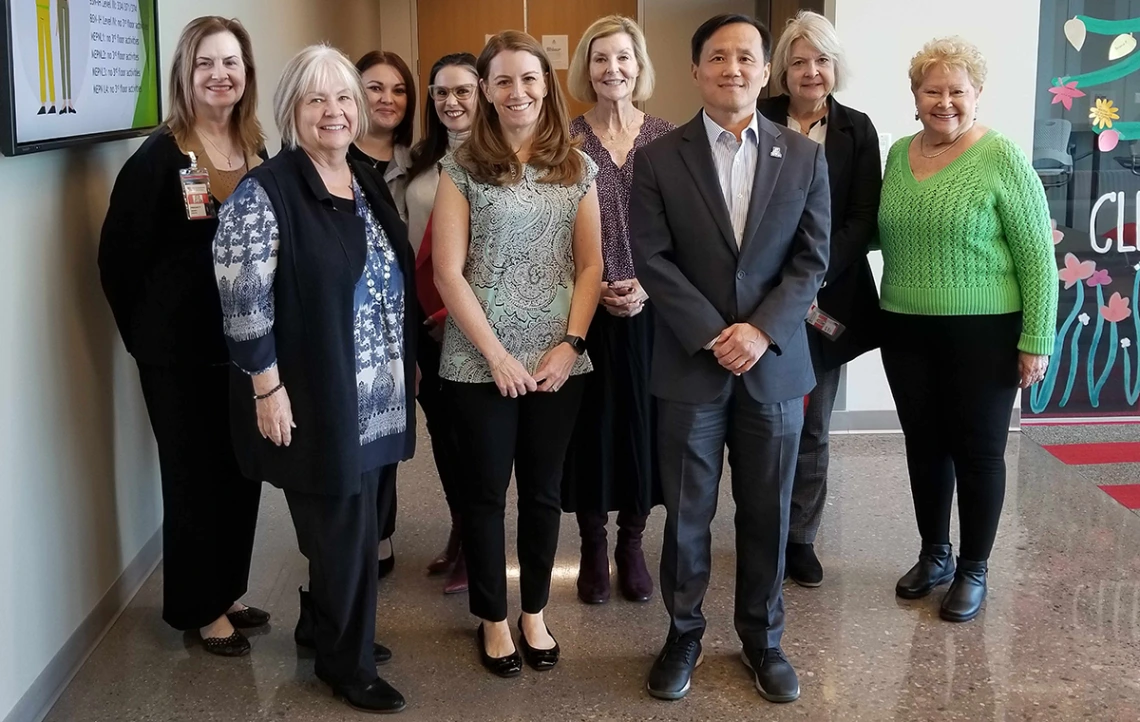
880, 37
79, 494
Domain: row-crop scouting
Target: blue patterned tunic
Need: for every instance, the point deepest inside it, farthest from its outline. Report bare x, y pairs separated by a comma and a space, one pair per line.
245, 262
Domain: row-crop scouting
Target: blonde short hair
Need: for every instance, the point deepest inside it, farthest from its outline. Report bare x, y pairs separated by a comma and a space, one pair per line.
578, 77
953, 53
313, 67
818, 32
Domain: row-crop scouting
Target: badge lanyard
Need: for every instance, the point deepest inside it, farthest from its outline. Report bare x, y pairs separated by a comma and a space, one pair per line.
196, 191
824, 323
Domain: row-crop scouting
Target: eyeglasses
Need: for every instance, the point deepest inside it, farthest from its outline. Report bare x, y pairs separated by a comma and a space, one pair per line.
441, 92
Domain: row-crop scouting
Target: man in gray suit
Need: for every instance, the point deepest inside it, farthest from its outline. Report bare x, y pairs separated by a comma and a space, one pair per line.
730, 219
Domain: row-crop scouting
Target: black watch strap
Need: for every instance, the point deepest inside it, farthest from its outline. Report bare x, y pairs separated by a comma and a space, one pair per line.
576, 342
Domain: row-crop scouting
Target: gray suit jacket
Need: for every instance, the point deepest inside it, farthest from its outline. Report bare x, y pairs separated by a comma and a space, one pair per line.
687, 259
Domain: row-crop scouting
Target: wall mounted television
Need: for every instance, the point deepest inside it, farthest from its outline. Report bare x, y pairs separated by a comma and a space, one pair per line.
76, 72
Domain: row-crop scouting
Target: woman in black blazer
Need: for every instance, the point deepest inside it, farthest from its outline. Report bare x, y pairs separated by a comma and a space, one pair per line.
807, 66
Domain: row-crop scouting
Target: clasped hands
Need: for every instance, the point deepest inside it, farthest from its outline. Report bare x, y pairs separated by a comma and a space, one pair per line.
739, 347
514, 380
624, 299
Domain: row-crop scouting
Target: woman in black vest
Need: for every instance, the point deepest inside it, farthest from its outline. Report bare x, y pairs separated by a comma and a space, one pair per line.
157, 271
808, 64
312, 269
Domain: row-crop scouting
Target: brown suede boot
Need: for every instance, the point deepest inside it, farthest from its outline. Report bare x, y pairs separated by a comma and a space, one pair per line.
636, 584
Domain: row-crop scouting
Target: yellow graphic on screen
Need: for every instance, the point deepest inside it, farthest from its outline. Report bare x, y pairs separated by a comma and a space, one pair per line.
47, 66
63, 11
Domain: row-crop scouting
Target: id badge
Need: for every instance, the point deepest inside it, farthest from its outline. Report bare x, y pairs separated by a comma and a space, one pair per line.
196, 191
824, 323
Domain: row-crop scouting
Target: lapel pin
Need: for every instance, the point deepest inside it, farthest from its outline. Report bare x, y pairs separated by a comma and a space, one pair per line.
776, 152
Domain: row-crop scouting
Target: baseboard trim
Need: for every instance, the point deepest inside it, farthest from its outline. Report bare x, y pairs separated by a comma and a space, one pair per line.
49, 685
885, 422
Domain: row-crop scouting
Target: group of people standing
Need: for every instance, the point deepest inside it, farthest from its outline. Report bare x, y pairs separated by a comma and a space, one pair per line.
598, 305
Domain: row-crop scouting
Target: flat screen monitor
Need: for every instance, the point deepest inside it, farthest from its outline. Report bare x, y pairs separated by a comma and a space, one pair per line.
77, 71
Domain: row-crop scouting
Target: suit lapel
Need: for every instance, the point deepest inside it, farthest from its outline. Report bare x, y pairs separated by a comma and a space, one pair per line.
697, 156
770, 153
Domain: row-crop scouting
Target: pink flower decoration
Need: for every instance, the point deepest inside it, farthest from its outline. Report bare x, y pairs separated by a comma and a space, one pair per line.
1108, 140
1058, 236
1075, 270
1065, 93
1117, 309
1099, 278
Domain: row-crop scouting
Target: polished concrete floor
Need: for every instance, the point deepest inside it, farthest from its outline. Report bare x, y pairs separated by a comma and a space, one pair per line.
1058, 640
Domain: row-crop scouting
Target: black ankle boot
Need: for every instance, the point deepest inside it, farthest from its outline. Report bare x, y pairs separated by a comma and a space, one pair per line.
964, 600
935, 567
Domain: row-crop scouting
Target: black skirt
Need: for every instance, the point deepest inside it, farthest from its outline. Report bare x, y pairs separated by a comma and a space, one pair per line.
611, 464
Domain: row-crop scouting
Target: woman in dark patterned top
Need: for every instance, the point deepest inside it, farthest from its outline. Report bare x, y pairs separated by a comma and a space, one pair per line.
612, 464
313, 268
518, 264
156, 268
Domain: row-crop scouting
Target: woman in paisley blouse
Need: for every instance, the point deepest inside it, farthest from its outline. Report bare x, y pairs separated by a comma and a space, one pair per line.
517, 257
612, 464
312, 268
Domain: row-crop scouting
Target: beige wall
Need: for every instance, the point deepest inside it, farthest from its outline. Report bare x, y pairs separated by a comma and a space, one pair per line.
79, 493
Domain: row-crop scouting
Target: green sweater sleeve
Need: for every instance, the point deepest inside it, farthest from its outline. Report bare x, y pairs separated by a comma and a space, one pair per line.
1024, 215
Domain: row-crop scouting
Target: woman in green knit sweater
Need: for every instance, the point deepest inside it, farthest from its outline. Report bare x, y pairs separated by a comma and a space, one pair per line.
969, 293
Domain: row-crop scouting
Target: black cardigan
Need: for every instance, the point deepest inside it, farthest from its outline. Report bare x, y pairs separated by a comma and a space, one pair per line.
855, 174
157, 266
319, 262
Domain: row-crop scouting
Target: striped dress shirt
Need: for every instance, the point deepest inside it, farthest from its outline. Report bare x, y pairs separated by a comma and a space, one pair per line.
735, 162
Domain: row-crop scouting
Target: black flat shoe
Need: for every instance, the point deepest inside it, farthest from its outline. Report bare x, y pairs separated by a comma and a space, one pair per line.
964, 600
248, 618
539, 660
935, 567
234, 645
378, 697
508, 666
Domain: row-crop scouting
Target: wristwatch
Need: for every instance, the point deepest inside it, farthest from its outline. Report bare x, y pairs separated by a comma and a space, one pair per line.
576, 342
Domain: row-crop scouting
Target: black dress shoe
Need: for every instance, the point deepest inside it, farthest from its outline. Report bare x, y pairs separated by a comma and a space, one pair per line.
935, 567
378, 697
303, 632
508, 666
672, 672
234, 645
539, 660
248, 618
802, 566
964, 599
774, 675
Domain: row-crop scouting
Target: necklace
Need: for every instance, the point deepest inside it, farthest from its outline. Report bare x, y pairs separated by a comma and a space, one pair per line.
619, 134
229, 161
922, 142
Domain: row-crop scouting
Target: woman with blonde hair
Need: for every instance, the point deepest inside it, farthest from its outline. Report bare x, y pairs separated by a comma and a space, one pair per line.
313, 269
969, 295
156, 265
808, 67
612, 464
518, 265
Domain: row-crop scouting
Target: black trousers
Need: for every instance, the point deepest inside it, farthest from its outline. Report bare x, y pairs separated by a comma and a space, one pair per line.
338, 535
954, 380
440, 415
530, 434
809, 492
209, 508
762, 441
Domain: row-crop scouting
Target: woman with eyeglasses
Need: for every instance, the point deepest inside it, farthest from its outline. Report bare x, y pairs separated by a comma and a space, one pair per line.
386, 148
448, 113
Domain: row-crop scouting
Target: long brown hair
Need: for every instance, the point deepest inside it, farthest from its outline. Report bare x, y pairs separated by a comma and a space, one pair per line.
244, 120
489, 157
402, 134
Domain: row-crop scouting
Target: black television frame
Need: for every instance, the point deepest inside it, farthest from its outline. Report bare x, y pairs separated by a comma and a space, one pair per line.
8, 144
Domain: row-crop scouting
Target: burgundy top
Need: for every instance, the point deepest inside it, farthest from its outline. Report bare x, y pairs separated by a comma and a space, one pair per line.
613, 192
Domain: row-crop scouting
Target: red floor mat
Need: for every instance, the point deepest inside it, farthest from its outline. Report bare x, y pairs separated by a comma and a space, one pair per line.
1120, 452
